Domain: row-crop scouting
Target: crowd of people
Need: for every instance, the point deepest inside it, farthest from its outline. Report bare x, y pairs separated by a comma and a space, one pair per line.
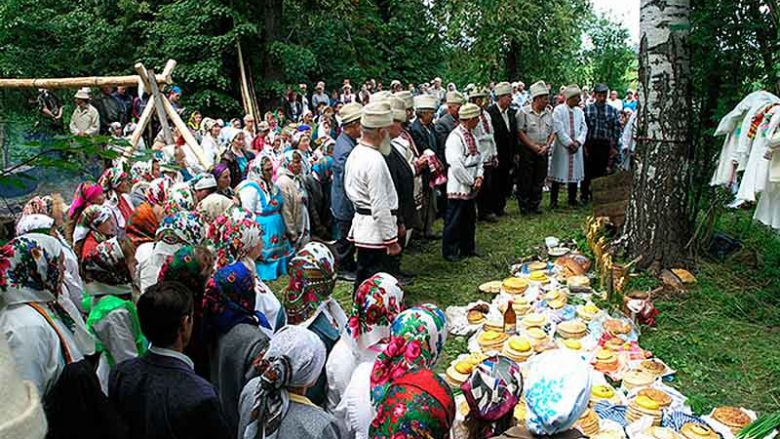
141, 308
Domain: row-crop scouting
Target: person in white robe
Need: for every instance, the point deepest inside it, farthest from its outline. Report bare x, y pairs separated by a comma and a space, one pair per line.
369, 186
567, 163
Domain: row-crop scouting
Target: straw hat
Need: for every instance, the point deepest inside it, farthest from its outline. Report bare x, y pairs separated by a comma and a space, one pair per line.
399, 108
454, 97
425, 102
503, 88
406, 96
571, 91
539, 89
468, 111
83, 93
350, 112
377, 115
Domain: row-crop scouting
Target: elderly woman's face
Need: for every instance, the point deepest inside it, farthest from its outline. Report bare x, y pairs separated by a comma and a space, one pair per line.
108, 227
304, 144
296, 164
124, 186
215, 130
238, 141
268, 170
224, 179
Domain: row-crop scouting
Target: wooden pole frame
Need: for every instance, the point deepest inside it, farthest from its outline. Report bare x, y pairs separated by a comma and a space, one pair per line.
89, 81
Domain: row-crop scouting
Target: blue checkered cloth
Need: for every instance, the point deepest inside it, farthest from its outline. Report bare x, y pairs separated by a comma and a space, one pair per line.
676, 419
603, 123
613, 412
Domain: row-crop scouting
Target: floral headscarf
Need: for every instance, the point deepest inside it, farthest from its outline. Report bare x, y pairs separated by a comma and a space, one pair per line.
142, 225
312, 278
212, 207
157, 191
92, 217
417, 338
106, 265
41, 205
34, 222
179, 199
141, 171
86, 193
229, 299
492, 391
30, 269
112, 178
557, 391
377, 303
417, 405
289, 158
184, 267
294, 358
234, 235
180, 228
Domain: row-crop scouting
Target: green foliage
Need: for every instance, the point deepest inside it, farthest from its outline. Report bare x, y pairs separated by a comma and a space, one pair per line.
609, 58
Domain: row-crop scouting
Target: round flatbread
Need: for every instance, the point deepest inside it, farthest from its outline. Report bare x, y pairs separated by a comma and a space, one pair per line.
492, 287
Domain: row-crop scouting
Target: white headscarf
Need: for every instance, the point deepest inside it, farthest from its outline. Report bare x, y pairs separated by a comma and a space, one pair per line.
294, 358
557, 391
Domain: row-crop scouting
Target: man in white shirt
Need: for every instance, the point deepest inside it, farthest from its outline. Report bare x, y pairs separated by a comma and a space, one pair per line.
85, 120
464, 180
369, 186
487, 202
614, 101
567, 163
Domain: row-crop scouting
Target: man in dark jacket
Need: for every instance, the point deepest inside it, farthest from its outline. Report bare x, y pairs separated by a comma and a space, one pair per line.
403, 180
503, 117
159, 395
422, 131
109, 108
341, 207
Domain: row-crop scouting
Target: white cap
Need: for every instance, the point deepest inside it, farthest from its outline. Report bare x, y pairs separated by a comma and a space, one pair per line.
377, 115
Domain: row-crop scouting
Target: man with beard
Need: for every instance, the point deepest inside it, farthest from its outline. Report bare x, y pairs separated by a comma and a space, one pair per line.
369, 186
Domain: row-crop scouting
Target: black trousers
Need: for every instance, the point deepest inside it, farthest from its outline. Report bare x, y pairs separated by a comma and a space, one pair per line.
345, 250
596, 164
532, 172
488, 199
459, 229
503, 184
556, 187
370, 262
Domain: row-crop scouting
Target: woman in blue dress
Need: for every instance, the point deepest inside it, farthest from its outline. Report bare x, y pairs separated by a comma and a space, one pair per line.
258, 194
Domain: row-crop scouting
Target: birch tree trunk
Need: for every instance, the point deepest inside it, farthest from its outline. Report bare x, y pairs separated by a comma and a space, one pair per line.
658, 227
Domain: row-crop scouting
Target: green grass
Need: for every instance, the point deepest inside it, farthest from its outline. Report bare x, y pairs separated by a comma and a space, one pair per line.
723, 337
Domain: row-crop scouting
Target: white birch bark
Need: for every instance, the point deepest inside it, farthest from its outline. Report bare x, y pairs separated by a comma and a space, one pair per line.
657, 222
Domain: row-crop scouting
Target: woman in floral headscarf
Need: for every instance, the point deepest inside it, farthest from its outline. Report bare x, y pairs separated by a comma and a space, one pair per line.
417, 338
419, 404
175, 231
308, 303
87, 194
492, 391
141, 171
557, 392
179, 198
273, 405
39, 331
259, 195
113, 318
96, 224
377, 302
192, 266
238, 238
237, 333
116, 185
144, 221
294, 210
